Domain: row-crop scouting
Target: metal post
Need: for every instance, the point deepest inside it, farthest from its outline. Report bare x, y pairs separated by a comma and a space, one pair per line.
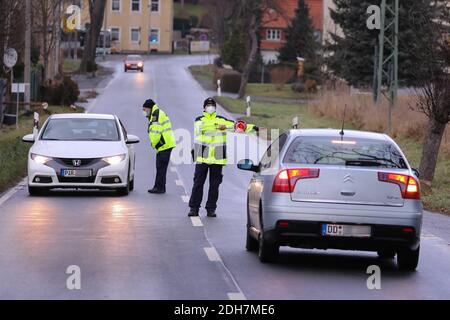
27, 55
386, 67
17, 106
104, 30
263, 72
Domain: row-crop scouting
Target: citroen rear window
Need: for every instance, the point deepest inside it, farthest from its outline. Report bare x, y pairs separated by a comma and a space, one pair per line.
344, 152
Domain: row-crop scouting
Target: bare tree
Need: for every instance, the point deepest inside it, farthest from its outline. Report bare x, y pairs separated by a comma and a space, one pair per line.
46, 20
97, 14
250, 14
433, 97
11, 25
221, 12
11, 36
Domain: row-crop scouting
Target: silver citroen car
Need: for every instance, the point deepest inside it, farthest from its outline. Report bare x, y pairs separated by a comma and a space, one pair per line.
332, 189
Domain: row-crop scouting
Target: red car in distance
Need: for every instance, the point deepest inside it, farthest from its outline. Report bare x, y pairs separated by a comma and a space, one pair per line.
134, 62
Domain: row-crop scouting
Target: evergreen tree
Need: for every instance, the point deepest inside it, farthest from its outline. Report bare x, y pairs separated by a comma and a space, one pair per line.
352, 55
301, 41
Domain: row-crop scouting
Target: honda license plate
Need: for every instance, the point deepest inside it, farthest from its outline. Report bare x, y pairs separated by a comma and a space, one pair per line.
70, 173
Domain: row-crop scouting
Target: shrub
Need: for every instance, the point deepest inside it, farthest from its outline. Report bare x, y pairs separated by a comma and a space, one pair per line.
218, 62
231, 82
61, 93
281, 74
70, 91
299, 87
311, 86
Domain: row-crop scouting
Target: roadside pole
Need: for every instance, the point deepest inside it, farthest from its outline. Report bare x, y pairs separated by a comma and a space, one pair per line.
27, 54
219, 88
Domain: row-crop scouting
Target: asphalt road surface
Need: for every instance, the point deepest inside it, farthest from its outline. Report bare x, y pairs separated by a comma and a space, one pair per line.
144, 246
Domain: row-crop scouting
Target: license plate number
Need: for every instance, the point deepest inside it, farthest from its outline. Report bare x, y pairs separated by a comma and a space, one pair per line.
339, 230
69, 173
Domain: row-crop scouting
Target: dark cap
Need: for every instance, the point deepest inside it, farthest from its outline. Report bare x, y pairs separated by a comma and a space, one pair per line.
149, 104
209, 102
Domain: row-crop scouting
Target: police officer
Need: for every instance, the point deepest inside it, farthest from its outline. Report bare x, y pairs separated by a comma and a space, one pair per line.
210, 155
163, 141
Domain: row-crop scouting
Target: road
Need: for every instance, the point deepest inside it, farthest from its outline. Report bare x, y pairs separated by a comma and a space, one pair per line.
144, 246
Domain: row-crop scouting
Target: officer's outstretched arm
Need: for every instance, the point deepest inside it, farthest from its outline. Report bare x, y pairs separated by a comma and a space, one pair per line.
251, 128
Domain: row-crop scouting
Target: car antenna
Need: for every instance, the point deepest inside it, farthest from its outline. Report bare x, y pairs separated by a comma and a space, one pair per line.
342, 133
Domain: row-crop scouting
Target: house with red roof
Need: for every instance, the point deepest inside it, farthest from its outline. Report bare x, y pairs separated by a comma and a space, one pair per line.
275, 24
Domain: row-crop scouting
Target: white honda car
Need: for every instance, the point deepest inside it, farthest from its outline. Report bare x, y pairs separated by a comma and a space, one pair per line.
81, 151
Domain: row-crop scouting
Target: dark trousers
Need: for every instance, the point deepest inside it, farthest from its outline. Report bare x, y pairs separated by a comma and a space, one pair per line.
215, 180
162, 163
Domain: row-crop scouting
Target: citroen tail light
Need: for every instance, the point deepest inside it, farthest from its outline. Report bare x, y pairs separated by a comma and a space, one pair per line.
286, 180
409, 186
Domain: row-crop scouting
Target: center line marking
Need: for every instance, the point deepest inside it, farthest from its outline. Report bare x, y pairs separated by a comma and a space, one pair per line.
212, 254
196, 222
179, 183
236, 296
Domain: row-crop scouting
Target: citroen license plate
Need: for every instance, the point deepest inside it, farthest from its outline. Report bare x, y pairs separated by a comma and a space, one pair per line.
341, 230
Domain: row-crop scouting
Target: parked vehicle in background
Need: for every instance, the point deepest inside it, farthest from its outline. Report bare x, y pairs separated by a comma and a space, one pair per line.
328, 189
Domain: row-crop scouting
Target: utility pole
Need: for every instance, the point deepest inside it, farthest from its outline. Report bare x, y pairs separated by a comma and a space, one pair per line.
105, 30
27, 54
386, 67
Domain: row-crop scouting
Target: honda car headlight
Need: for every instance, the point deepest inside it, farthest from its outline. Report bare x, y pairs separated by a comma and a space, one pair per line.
40, 159
115, 160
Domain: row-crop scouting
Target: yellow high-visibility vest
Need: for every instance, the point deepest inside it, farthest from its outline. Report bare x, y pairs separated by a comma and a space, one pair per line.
210, 142
160, 131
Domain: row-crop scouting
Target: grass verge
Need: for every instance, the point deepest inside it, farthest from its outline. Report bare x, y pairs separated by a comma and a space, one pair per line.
268, 90
204, 74
279, 116
14, 152
71, 66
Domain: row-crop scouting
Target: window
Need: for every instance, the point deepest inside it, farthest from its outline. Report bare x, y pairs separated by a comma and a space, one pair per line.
344, 152
115, 34
271, 157
135, 35
81, 130
135, 5
154, 36
274, 34
115, 5
154, 5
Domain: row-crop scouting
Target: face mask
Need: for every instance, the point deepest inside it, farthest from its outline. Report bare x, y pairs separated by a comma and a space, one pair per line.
210, 110
144, 113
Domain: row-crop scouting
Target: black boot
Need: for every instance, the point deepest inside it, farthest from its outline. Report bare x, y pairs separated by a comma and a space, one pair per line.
156, 191
193, 213
212, 214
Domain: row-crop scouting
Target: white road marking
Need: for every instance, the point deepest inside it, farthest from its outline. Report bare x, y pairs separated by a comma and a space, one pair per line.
212, 254
236, 296
179, 183
196, 222
12, 191
185, 199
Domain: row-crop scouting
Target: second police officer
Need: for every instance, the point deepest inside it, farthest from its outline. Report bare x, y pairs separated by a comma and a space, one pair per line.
210, 155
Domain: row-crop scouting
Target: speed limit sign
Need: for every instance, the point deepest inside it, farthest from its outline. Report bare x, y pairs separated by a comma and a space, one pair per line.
10, 58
